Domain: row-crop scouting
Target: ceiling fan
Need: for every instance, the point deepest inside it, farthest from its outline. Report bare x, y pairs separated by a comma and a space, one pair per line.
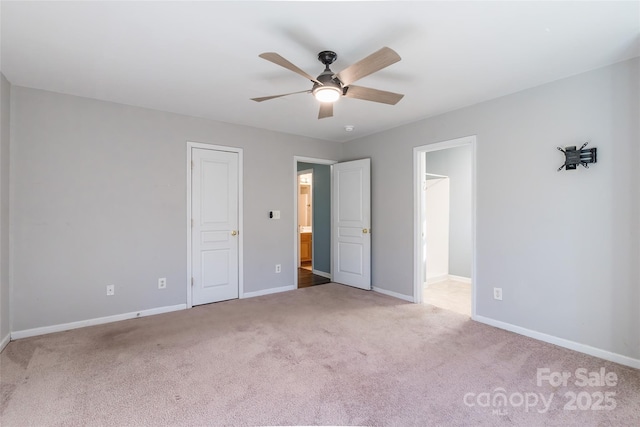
328, 87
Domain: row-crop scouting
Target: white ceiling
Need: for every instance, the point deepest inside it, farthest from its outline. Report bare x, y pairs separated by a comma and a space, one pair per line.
201, 58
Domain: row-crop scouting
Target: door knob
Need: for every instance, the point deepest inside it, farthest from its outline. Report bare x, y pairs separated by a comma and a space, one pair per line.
365, 231
234, 232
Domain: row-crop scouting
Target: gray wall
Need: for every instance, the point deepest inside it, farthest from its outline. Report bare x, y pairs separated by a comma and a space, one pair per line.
5, 307
456, 164
100, 198
321, 215
564, 246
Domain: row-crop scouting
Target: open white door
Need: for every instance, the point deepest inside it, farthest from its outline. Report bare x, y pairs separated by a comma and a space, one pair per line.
351, 230
214, 201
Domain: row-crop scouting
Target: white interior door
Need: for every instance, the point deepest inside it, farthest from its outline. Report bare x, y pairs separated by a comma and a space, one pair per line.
351, 211
214, 233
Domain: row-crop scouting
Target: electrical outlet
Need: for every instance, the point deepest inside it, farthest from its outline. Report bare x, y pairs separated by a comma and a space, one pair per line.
111, 290
162, 283
497, 294
278, 268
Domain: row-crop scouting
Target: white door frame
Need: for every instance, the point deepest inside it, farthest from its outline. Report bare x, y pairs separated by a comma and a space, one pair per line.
418, 173
203, 146
296, 238
304, 172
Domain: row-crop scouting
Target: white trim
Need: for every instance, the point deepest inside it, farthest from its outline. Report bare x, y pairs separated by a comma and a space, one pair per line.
4, 342
393, 294
322, 273
444, 277
435, 175
418, 173
436, 279
296, 251
269, 291
92, 322
459, 278
239, 151
571, 345
474, 223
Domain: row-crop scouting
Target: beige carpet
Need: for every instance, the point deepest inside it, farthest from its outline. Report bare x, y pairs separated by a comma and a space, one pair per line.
321, 355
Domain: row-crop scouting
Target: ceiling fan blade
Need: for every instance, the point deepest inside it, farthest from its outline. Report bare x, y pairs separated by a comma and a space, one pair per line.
372, 63
266, 98
279, 60
375, 95
326, 110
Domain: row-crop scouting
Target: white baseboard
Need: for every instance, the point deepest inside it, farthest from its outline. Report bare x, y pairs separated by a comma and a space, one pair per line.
322, 273
436, 279
4, 342
91, 322
442, 278
571, 345
460, 278
268, 291
393, 294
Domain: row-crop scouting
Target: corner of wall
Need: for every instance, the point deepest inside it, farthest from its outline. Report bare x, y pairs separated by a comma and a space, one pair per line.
5, 135
4, 341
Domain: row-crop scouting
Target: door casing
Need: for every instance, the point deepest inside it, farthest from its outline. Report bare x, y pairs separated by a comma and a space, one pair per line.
296, 243
418, 194
203, 146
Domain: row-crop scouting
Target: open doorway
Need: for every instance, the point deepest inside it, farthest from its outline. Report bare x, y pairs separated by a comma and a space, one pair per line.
313, 224
305, 219
445, 200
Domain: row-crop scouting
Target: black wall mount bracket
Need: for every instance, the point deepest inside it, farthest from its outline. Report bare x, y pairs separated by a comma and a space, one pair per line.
582, 156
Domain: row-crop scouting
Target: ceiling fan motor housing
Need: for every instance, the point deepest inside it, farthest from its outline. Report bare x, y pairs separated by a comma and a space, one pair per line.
326, 79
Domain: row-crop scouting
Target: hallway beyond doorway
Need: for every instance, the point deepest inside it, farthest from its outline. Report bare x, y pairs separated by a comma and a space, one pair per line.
307, 279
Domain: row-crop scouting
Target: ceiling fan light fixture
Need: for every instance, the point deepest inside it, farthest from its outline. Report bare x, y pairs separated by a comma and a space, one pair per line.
328, 87
327, 93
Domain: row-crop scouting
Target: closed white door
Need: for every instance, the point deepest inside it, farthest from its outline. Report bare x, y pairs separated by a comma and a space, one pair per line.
214, 233
351, 211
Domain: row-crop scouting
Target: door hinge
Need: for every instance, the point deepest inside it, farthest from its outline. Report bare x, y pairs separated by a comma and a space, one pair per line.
192, 281
191, 222
191, 164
